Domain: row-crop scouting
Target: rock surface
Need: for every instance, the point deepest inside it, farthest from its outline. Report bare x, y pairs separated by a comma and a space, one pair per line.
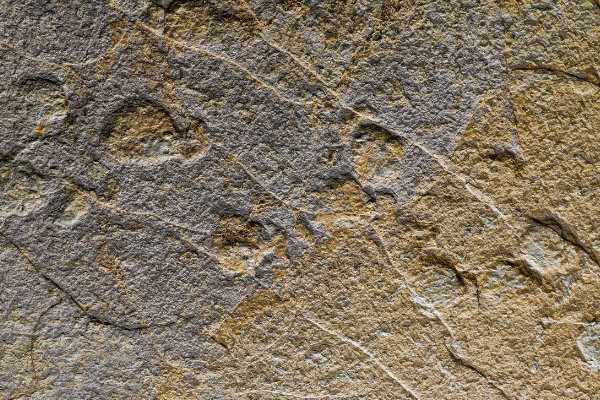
299, 199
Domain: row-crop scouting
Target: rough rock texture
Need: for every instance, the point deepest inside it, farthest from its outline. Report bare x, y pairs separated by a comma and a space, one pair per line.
299, 199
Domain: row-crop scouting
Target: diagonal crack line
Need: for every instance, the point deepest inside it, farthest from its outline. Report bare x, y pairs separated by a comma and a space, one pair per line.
437, 158
305, 66
363, 350
483, 198
264, 187
207, 53
415, 297
417, 300
467, 364
274, 195
558, 72
298, 61
23, 252
51, 281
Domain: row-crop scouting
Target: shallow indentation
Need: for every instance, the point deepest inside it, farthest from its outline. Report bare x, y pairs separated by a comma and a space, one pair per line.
144, 131
437, 283
377, 155
19, 188
75, 205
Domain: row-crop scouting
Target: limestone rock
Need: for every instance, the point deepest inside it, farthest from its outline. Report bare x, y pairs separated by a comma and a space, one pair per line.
299, 199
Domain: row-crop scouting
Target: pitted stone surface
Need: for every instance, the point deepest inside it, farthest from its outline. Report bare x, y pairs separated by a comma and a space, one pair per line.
294, 199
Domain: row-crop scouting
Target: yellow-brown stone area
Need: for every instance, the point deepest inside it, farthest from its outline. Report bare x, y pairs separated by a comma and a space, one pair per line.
295, 199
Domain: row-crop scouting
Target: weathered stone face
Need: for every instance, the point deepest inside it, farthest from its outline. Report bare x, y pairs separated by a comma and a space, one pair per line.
252, 199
